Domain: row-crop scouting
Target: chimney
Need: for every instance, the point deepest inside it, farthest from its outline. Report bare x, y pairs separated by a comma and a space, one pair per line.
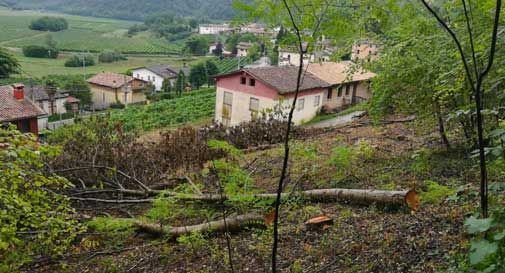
19, 91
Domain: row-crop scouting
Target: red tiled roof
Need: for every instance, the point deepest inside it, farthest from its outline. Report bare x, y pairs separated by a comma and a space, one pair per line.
110, 79
71, 99
12, 109
283, 78
337, 73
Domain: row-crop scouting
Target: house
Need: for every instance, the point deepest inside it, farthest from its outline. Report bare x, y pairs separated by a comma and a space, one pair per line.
243, 49
156, 74
365, 50
240, 95
349, 84
215, 28
16, 109
322, 53
38, 95
108, 88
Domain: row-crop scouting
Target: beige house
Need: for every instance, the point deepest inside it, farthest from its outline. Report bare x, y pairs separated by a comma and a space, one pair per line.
349, 83
243, 49
365, 51
108, 88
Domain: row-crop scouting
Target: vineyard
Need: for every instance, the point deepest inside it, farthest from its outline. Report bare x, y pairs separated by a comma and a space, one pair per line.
191, 107
231, 64
84, 34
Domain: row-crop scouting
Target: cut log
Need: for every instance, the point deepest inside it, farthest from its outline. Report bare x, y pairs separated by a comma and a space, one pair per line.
407, 198
232, 224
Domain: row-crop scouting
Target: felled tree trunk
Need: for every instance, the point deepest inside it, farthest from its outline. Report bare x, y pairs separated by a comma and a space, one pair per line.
407, 198
232, 224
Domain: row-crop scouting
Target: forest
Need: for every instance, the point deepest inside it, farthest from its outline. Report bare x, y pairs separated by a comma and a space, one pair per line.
415, 185
131, 9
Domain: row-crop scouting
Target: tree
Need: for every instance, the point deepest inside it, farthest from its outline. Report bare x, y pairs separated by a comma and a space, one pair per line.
198, 75
218, 51
110, 56
47, 23
80, 60
166, 86
36, 51
307, 19
8, 64
79, 89
180, 84
211, 71
37, 221
197, 45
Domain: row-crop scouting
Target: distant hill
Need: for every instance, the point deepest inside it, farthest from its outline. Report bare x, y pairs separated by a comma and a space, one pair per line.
132, 9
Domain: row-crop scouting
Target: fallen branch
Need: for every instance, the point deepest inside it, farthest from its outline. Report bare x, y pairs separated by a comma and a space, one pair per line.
232, 224
408, 198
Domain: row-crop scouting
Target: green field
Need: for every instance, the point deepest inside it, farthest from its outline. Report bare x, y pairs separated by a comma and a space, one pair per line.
84, 34
191, 107
39, 67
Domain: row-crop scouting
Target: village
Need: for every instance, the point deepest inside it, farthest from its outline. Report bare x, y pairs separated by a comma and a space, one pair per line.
241, 92
257, 136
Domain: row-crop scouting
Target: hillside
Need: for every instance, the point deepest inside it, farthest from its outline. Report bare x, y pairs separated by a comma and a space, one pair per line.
84, 34
131, 9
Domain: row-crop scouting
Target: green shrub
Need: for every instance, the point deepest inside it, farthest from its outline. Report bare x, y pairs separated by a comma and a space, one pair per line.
117, 105
34, 219
115, 229
36, 51
80, 60
47, 23
110, 56
435, 193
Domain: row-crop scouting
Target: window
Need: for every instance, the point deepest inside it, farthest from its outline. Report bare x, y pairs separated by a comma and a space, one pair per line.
228, 98
254, 104
149, 77
242, 80
330, 93
317, 101
227, 108
300, 104
138, 76
357, 51
347, 89
252, 82
339, 93
154, 79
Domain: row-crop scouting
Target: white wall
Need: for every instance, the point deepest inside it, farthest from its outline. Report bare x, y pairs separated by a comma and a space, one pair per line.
241, 113
58, 109
147, 75
293, 58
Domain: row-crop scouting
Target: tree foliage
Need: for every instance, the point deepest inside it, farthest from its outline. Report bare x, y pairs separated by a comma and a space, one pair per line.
110, 56
80, 60
8, 64
34, 220
36, 51
47, 23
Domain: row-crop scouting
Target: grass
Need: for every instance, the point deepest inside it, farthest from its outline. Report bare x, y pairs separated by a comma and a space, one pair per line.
84, 34
39, 67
